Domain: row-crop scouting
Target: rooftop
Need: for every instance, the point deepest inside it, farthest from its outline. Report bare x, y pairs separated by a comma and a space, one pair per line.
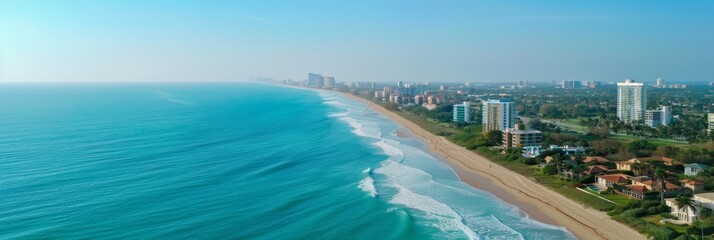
666, 160
596, 159
618, 178
709, 195
696, 165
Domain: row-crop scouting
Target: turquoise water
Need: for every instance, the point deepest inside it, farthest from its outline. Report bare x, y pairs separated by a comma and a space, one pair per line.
594, 188
217, 161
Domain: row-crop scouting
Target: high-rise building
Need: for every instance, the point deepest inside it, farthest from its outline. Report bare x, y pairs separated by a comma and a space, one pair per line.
418, 99
631, 101
498, 115
462, 112
710, 122
660, 82
514, 137
655, 118
568, 84
328, 82
522, 84
314, 79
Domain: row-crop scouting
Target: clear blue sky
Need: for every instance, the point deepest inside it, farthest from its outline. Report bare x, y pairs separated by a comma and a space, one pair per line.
477, 41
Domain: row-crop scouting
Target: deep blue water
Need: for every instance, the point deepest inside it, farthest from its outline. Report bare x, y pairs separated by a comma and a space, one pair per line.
226, 161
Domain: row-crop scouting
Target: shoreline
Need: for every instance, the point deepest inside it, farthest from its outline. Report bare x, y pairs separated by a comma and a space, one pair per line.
534, 199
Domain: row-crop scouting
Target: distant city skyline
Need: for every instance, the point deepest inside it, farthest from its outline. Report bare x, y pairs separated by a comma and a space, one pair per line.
411, 41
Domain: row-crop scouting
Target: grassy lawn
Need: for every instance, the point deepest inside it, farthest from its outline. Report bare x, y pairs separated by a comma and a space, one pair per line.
572, 124
655, 141
619, 199
656, 218
430, 126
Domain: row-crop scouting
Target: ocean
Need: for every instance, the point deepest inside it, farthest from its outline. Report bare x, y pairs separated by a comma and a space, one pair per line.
227, 161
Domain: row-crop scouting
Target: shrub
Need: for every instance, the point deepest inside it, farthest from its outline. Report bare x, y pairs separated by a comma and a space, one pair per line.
668, 215
588, 179
659, 232
664, 208
633, 213
649, 204
550, 169
652, 210
697, 229
706, 212
530, 161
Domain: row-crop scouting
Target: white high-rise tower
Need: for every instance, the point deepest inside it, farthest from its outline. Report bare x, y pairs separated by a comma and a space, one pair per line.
631, 101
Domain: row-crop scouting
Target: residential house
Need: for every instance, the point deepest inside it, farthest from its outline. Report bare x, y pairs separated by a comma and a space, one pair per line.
652, 185
595, 159
605, 181
641, 184
627, 165
635, 191
691, 215
596, 170
693, 169
695, 186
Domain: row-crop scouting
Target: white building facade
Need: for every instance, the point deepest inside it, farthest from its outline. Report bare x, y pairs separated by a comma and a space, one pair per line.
658, 117
498, 115
462, 112
688, 214
631, 101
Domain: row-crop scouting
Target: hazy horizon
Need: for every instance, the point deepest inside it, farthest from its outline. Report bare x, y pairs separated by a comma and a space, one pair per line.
456, 41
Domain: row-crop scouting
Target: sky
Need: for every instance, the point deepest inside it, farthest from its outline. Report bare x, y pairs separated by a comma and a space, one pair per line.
367, 40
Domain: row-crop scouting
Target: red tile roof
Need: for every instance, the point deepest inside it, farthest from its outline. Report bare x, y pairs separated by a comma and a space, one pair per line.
616, 178
667, 184
691, 182
596, 159
666, 160
638, 188
596, 169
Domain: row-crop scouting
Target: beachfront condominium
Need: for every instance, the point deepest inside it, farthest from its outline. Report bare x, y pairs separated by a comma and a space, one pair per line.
498, 115
328, 82
710, 123
515, 137
462, 112
631, 101
314, 80
658, 117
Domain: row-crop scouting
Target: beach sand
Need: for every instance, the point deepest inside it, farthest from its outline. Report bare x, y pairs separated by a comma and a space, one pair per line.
534, 199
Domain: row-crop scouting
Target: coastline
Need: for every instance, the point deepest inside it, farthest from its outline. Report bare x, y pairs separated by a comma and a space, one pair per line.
534, 199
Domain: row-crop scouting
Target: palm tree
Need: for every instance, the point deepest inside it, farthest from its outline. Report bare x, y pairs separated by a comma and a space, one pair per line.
660, 175
685, 201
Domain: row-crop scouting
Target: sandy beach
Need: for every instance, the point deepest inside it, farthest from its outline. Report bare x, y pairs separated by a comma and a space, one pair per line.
536, 200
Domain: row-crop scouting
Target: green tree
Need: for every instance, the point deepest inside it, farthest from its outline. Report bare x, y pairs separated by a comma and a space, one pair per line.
685, 201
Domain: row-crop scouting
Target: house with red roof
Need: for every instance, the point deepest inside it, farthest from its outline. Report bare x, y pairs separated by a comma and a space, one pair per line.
695, 186
605, 181
595, 159
596, 170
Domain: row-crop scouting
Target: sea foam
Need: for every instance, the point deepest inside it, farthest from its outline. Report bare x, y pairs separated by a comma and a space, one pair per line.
390, 148
448, 219
367, 185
